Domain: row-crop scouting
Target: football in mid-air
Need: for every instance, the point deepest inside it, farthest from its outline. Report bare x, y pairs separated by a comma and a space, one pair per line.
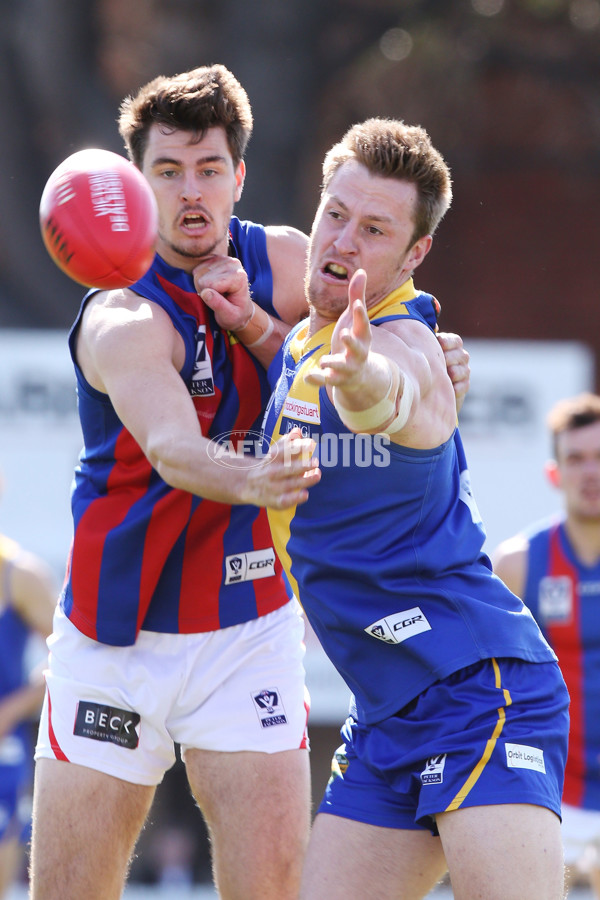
99, 219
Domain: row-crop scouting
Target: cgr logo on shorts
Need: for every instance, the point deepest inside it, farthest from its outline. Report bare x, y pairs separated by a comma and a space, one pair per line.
269, 707
433, 773
107, 723
399, 626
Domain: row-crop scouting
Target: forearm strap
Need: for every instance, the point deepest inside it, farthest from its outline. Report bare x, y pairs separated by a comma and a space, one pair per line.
388, 415
257, 329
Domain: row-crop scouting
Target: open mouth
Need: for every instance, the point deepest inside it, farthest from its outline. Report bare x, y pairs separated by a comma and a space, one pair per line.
337, 271
194, 220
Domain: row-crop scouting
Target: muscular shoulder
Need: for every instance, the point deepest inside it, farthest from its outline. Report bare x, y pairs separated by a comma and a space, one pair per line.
287, 249
509, 561
119, 325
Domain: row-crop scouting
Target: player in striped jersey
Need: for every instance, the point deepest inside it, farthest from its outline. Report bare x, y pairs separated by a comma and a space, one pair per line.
175, 624
554, 565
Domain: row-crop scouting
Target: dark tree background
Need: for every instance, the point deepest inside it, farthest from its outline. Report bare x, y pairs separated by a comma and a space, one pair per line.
508, 89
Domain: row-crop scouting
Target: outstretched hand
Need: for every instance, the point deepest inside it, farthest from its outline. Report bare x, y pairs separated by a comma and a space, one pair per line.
287, 473
350, 343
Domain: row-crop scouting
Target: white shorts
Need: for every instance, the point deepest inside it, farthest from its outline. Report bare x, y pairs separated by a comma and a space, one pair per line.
581, 836
120, 709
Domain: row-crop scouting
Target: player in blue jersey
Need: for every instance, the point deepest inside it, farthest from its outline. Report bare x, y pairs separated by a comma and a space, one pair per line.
454, 751
27, 601
175, 624
554, 565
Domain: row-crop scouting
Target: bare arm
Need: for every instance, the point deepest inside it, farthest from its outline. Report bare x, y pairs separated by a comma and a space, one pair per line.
128, 348
509, 561
401, 363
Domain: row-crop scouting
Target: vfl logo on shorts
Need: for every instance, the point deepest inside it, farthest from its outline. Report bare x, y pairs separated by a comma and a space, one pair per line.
107, 723
433, 773
249, 566
269, 708
399, 626
520, 756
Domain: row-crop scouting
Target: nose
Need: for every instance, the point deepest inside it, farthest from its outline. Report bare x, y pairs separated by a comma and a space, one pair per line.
345, 241
191, 187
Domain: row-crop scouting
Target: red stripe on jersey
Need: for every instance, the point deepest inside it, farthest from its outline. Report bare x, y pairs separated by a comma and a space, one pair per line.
131, 472
169, 516
200, 586
270, 593
565, 639
248, 383
53, 741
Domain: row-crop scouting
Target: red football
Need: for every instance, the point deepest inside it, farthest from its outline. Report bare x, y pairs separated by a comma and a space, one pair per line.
99, 219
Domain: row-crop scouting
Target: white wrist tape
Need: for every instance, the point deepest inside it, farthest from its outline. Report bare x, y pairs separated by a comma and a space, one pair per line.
257, 329
390, 407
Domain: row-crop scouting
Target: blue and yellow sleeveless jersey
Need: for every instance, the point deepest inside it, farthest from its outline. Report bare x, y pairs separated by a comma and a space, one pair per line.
564, 596
386, 554
145, 555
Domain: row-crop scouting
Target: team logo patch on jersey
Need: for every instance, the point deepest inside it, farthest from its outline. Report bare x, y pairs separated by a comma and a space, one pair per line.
399, 626
269, 707
556, 599
433, 773
520, 756
107, 723
249, 566
202, 383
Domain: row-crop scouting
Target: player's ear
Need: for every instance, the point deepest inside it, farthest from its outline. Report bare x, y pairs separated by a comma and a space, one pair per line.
552, 472
419, 251
240, 177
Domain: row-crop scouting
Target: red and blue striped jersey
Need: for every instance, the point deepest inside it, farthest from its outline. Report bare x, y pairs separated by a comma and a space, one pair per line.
564, 596
147, 556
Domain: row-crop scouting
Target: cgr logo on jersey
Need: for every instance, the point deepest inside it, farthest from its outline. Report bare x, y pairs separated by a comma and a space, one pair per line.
399, 626
433, 773
107, 723
202, 384
249, 566
556, 600
269, 708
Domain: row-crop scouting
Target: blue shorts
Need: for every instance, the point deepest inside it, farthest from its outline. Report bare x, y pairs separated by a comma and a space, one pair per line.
494, 732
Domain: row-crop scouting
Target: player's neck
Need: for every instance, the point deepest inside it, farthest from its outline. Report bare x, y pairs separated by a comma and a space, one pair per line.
584, 536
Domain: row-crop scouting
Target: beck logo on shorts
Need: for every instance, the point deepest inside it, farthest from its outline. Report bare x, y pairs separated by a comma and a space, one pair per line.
269, 707
520, 756
433, 773
107, 723
399, 626
249, 566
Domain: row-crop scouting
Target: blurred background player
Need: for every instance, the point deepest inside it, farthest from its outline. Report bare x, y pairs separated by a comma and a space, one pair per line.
27, 601
554, 566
